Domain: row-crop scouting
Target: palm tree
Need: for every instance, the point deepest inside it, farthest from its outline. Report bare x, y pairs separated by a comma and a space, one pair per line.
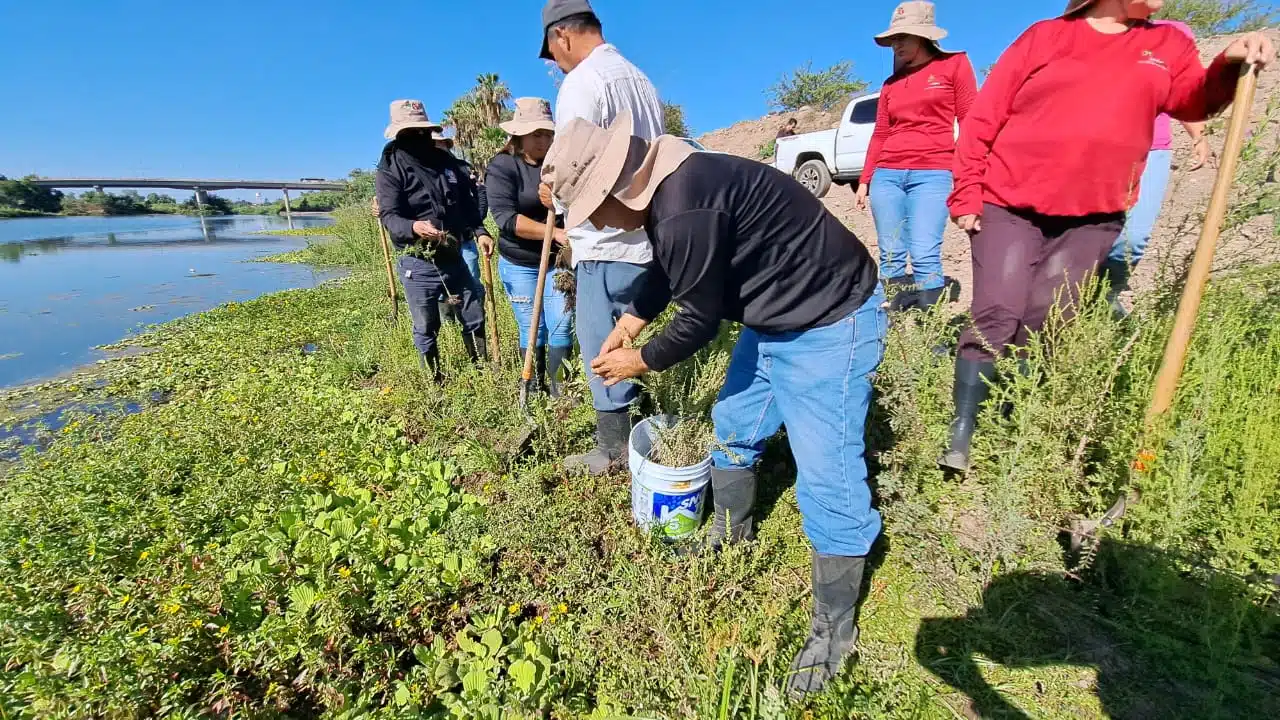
466, 118
491, 96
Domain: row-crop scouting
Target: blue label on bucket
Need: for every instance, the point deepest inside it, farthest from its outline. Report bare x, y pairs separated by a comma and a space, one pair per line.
678, 514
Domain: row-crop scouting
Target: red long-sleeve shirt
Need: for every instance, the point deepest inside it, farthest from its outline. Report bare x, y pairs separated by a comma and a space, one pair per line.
1063, 124
916, 116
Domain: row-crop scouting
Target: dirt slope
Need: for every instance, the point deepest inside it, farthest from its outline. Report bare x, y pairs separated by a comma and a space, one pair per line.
1175, 234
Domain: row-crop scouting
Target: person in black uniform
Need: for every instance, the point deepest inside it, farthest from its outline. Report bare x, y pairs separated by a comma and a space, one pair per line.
427, 201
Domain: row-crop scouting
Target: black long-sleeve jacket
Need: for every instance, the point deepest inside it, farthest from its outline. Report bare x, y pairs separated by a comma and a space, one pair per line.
434, 187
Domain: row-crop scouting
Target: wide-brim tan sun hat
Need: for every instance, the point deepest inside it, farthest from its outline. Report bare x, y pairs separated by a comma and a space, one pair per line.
408, 114
439, 136
532, 114
584, 163
587, 164
917, 18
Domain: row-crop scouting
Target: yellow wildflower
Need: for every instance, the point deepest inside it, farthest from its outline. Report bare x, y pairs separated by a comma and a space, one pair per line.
125, 600
145, 554
173, 608
344, 572
77, 588
195, 624
513, 609
223, 630
564, 609
538, 620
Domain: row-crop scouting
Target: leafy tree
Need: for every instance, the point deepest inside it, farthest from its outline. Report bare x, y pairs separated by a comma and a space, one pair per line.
23, 195
359, 186
213, 205
673, 120
492, 98
1215, 17
824, 89
481, 108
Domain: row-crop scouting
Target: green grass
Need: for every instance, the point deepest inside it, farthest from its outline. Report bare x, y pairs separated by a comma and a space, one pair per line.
329, 534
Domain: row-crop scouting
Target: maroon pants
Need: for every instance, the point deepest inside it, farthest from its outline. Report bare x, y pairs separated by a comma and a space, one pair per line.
1021, 262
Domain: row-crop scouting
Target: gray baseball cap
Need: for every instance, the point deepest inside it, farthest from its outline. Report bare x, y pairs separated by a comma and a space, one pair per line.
555, 11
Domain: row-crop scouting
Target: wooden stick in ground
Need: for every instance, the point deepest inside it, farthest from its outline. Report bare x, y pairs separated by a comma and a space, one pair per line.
391, 273
386, 256
527, 375
1184, 324
495, 355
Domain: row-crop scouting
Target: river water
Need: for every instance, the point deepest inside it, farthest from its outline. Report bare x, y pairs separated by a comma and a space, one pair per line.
68, 285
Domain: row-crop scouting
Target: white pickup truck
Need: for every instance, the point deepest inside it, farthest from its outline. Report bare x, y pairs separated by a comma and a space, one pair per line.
817, 159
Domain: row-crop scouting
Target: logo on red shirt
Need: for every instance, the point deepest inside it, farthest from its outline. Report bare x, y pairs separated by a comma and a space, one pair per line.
1149, 58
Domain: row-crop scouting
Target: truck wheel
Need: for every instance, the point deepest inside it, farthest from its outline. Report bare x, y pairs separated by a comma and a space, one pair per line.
815, 177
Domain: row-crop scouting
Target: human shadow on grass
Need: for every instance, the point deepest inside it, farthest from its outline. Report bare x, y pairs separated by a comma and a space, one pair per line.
1167, 642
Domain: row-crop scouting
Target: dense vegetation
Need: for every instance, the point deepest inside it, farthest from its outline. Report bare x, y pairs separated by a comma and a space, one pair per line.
328, 534
300, 524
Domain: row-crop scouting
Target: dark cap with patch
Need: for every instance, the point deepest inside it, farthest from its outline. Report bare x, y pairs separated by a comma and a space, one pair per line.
555, 11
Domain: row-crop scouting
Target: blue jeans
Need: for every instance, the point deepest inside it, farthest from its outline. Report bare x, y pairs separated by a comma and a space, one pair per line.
471, 259
521, 282
818, 384
910, 212
424, 284
605, 290
1141, 220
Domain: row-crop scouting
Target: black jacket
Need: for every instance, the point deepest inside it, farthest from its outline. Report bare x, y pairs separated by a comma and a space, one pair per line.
435, 187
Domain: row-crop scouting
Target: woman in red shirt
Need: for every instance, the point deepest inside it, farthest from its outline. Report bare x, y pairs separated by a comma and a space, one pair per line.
1049, 159
912, 152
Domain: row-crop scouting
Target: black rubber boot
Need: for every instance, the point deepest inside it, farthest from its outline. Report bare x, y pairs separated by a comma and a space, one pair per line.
430, 363
613, 429
907, 293
476, 346
926, 299
971, 390
557, 358
733, 495
833, 631
1116, 276
540, 367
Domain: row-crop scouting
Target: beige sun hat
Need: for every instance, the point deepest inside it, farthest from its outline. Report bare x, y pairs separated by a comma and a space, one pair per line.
532, 114
407, 114
438, 136
587, 163
913, 18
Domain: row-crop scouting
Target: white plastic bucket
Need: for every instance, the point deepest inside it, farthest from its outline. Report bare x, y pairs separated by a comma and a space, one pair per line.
671, 499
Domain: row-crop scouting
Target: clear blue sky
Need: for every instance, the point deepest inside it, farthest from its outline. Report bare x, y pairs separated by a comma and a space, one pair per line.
271, 90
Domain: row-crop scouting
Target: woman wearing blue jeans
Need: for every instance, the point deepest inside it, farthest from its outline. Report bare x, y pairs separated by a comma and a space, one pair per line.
511, 182
908, 168
736, 240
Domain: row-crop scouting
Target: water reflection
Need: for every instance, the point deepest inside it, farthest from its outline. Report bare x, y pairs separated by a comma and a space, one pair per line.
69, 284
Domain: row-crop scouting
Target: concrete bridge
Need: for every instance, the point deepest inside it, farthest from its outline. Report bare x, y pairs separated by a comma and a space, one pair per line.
200, 187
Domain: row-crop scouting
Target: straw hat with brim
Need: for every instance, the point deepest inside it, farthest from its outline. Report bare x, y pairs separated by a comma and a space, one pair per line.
587, 164
408, 114
532, 114
913, 18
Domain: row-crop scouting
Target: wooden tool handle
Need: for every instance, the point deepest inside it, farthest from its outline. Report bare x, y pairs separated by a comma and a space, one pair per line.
391, 273
1175, 352
527, 375
495, 356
